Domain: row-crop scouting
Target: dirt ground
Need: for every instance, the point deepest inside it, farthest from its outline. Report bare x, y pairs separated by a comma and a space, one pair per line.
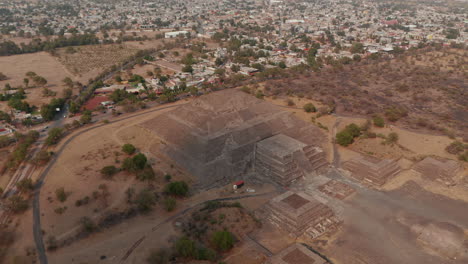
81, 164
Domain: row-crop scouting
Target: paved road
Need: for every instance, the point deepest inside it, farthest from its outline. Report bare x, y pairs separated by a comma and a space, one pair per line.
37, 230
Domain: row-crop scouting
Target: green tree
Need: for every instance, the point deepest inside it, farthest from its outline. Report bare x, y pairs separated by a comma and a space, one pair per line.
140, 161
344, 138
54, 135
223, 240
129, 149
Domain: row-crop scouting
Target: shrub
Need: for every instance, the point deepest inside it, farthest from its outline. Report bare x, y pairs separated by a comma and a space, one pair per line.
392, 138
160, 256
17, 204
170, 204
177, 188
135, 164
129, 149
344, 138
147, 174
185, 247
245, 89
61, 194
455, 147
139, 161
25, 185
88, 224
52, 243
109, 171
223, 240
309, 107
290, 102
55, 134
259, 94
204, 253
395, 113
464, 156
353, 130
60, 210
378, 121
168, 177
145, 200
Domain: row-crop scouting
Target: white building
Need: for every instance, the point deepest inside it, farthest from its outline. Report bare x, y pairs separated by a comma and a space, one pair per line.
174, 34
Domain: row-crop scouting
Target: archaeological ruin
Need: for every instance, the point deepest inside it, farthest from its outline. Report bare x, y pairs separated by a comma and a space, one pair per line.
283, 159
214, 136
336, 189
372, 170
300, 214
296, 254
441, 170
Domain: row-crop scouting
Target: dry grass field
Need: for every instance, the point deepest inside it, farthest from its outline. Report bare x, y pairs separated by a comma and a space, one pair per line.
15, 67
89, 61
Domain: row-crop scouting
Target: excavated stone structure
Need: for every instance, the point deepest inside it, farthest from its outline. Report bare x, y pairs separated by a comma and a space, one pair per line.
214, 136
442, 170
283, 159
372, 170
300, 214
296, 254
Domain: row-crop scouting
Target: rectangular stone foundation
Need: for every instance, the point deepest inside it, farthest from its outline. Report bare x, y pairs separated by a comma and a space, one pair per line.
300, 214
282, 159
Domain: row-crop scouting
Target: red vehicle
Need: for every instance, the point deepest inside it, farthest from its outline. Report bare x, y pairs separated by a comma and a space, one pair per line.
238, 184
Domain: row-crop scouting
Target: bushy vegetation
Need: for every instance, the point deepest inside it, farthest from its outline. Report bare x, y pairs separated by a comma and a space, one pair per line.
177, 188
145, 200
109, 171
129, 149
170, 204
223, 240
20, 152
310, 107
135, 164
61, 194
25, 185
160, 256
54, 135
347, 135
17, 204
378, 121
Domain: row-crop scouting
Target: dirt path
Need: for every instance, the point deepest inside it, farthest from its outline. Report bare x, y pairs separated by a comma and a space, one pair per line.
336, 154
